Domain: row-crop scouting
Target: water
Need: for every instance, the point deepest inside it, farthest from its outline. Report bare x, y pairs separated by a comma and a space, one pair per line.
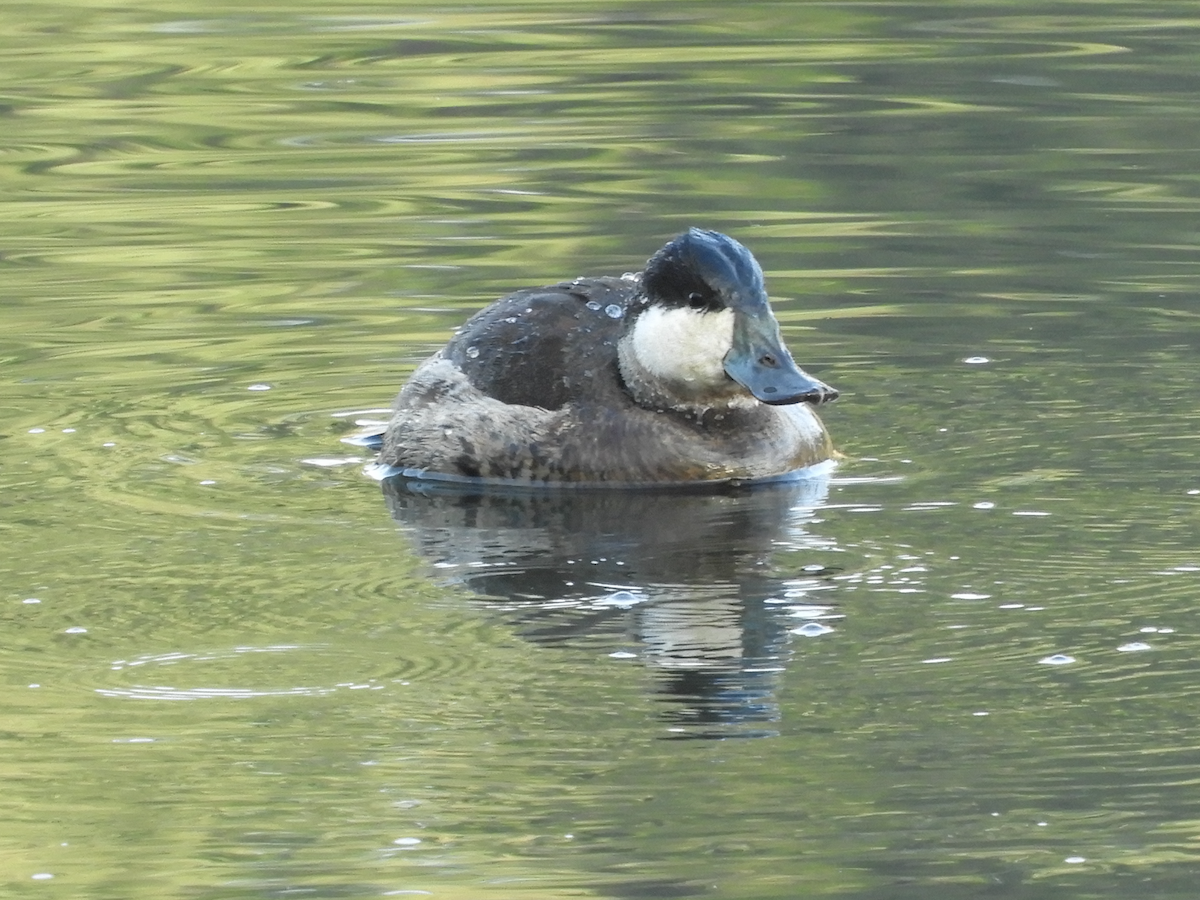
963, 663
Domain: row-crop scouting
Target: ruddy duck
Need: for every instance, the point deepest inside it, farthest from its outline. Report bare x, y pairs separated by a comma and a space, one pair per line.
677, 374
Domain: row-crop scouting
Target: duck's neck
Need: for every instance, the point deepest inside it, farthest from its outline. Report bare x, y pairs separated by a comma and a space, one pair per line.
678, 388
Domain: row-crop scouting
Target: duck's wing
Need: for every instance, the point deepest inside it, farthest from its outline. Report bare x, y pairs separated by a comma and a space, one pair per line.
544, 347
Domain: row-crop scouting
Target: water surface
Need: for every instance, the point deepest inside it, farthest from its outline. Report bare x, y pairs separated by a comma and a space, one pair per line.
962, 663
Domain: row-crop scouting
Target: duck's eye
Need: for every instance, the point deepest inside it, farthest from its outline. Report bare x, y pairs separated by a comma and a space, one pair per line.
697, 301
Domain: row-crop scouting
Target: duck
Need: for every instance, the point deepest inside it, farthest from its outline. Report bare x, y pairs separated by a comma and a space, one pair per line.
674, 375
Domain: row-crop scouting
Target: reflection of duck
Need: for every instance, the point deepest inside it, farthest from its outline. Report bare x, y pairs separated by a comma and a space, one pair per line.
686, 581
676, 374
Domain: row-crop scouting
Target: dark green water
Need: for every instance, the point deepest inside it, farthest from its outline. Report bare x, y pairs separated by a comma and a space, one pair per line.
965, 666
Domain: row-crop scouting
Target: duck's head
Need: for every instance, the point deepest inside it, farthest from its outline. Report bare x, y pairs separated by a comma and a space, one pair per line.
703, 332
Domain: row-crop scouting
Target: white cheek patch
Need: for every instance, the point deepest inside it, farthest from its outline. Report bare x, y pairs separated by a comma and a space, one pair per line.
684, 345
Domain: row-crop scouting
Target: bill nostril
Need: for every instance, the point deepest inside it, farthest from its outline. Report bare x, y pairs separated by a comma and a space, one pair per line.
769, 361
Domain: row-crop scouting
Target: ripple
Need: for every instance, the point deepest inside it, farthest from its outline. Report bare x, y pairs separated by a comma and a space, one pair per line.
621, 599
1058, 659
811, 629
202, 693
258, 25
213, 668
1134, 647
1042, 24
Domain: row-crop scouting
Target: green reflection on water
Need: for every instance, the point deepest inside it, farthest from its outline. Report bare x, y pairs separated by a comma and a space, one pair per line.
228, 229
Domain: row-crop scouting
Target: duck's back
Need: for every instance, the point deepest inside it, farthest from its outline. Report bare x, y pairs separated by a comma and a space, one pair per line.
527, 389
546, 347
